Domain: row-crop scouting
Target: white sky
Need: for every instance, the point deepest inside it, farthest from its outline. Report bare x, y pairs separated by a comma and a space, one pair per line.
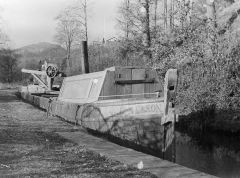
32, 21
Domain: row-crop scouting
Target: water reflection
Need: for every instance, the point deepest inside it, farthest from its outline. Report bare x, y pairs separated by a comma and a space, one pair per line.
211, 153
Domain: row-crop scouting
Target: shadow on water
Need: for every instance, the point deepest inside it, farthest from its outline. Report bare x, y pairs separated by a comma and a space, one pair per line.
210, 142
213, 153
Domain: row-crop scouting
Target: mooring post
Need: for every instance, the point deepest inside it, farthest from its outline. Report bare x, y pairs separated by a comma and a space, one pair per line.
168, 121
85, 63
49, 83
170, 87
174, 141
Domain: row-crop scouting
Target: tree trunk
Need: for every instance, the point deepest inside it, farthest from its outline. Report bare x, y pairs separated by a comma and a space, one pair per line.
85, 19
127, 25
155, 17
165, 15
172, 15
127, 31
146, 32
211, 10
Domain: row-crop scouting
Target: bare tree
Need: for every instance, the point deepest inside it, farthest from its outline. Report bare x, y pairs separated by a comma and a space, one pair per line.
8, 65
129, 19
155, 16
85, 19
72, 27
211, 12
165, 14
146, 30
134, 21
4, 39
127, 22
171, 15
146, 23
80, 12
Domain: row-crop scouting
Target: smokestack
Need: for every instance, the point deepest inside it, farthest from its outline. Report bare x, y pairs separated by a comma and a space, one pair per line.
85, 63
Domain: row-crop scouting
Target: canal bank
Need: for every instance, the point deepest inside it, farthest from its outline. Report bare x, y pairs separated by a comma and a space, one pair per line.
155, 165
31, 147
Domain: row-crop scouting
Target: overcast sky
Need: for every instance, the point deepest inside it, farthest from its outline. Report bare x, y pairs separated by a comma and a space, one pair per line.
32, 21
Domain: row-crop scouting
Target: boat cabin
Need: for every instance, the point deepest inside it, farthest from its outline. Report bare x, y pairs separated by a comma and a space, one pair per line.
112, 83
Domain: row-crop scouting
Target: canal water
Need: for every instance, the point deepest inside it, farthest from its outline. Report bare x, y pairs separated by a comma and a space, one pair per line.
212, 153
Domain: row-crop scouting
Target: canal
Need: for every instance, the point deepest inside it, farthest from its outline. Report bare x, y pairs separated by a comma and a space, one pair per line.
210, 152
213, 153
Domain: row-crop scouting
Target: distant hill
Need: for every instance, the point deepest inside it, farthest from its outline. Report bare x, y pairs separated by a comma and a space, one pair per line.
32, 54
38, 47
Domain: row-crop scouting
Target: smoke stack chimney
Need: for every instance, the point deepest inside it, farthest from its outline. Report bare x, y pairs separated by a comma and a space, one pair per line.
85, 63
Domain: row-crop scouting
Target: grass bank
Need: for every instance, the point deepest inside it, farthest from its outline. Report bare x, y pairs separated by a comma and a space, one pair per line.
5, 86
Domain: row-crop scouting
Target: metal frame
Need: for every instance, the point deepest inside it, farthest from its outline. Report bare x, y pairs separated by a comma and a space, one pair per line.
35, 74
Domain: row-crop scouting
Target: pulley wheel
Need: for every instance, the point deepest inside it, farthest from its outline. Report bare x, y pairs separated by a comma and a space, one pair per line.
52, 71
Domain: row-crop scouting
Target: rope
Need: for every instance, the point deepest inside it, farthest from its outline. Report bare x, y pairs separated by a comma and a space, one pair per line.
49, 109
76, 122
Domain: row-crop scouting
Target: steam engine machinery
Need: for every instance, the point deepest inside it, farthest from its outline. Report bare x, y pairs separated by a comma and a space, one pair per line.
44, 78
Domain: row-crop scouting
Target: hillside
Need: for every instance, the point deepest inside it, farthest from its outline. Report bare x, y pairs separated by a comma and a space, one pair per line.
32, 54
38, 47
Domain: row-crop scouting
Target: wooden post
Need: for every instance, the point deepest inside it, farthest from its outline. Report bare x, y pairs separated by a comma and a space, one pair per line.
170, 86
85, 63
49, 83
174, 141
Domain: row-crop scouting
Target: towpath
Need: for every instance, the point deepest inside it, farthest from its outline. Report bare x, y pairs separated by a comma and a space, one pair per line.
31, 147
